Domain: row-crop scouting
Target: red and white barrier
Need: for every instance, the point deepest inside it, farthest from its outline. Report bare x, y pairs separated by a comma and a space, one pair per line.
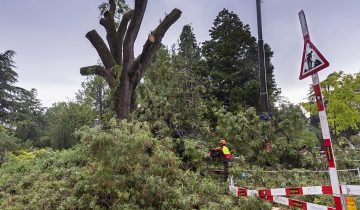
274, 195
239, 192
295, 191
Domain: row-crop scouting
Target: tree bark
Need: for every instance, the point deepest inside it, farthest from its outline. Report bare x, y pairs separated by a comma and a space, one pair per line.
109, 25
101, 48
100, 71
150, 47
121, 71
121, 32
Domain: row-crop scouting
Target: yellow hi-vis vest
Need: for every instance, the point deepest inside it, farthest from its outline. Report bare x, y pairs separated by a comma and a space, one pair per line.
226, 152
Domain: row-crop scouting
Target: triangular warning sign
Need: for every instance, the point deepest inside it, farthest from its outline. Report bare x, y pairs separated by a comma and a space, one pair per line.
312, 60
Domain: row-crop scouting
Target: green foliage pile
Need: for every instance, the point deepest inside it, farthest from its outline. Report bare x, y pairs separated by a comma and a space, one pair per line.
292, 145
126, 167
41, 179
144, 172
123, 168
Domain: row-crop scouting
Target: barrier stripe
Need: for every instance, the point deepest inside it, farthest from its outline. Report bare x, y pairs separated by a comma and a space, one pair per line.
338, 203
350, 189
318, 97
329, 153
243, 192
327, 189
296, 203
324, 123
334, 182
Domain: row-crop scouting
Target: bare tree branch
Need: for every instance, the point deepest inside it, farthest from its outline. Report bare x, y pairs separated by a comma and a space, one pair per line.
101, 48
152, 44
121, 33
167, 22
109, 25
112, 7
100, 71
132, 32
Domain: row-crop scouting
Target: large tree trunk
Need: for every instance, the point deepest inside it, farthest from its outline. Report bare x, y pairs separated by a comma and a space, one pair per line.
121, 70
123, 98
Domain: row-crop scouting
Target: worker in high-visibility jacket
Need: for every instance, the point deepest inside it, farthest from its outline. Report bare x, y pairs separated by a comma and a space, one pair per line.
226, 156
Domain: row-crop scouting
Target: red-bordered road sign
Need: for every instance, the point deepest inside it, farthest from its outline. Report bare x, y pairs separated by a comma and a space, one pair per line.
312, 60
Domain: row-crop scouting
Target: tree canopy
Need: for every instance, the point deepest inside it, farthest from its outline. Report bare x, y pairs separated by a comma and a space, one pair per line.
342, 101
231, 56
19, 108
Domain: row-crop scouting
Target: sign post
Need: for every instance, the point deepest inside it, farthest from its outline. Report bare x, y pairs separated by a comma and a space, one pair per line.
312, 62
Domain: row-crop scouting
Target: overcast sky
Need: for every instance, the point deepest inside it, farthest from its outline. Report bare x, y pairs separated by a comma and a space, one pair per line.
49, 37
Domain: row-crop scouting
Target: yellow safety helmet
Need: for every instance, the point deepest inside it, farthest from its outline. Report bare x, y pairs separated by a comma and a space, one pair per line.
222, 141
